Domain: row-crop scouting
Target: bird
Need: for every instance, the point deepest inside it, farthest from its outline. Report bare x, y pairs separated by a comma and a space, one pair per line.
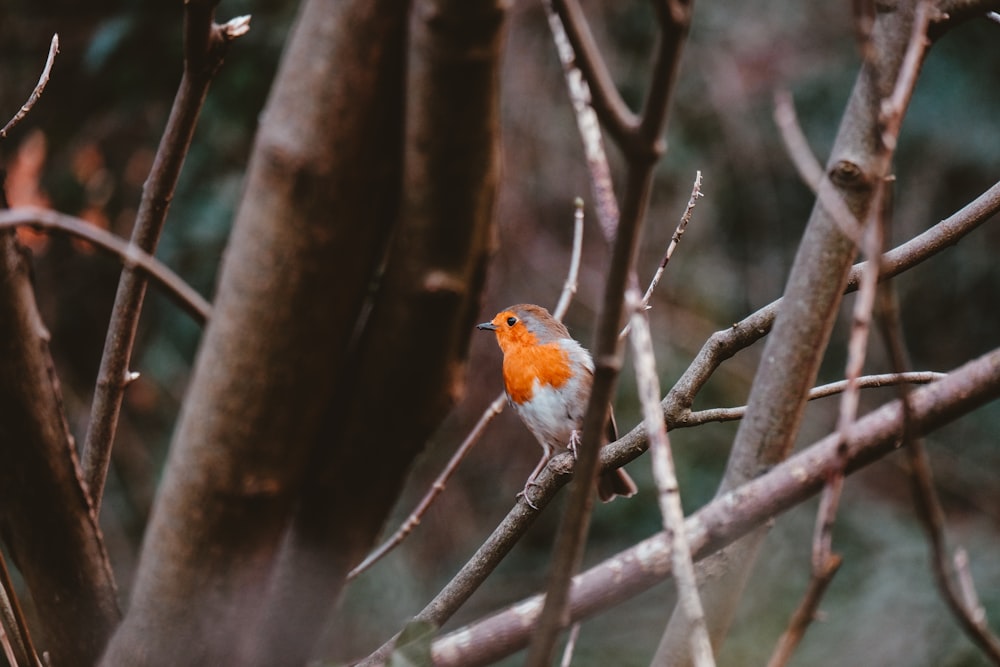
547, 377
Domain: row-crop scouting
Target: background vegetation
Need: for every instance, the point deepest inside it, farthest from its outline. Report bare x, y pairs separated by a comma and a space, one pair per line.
87, 147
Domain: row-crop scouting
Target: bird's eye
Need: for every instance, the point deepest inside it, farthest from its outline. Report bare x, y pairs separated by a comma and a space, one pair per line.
511, 321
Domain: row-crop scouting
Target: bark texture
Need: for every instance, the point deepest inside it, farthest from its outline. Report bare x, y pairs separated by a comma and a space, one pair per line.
421, 317
795, 347
319, 202
46, 520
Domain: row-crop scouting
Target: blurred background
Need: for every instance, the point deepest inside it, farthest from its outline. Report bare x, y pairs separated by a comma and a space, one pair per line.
88, 145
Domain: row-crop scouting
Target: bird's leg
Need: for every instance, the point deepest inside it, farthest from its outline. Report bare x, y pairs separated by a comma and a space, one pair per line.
546, 455
574, 442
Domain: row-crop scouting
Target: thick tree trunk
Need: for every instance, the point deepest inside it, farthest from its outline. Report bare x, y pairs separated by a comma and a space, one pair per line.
321, 196
46, 520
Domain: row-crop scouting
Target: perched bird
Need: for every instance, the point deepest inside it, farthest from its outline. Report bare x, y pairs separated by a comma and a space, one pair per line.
548, 376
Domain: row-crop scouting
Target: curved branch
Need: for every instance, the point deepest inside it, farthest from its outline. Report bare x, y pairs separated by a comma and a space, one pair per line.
731, 515
43, 81
725, 343
618, 119
41, 219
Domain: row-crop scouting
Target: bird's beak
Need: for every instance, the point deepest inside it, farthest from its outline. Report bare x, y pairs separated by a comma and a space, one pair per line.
487, 326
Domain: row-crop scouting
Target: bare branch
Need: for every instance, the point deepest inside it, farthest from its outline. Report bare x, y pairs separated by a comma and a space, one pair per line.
675, 239
810, 169
894, 107
805, 613
727, 342
14, 635
866, 382
619, 120
959, 595
43, 81
494, 409
205, 47
173, 285
573, 274
590, 129
668, 490
729, 516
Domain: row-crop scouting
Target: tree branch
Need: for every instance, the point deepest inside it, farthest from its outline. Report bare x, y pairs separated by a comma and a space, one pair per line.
320, 196
668, 490
958, 590
617, 118
44, 219
205, 46
641, 153
677, 405
43, 81
494, 409
46, 519
730, 516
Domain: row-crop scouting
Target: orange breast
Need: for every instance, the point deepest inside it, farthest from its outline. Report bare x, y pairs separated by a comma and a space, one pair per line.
522, 365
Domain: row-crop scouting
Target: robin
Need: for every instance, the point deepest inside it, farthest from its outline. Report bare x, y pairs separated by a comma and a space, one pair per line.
547, 376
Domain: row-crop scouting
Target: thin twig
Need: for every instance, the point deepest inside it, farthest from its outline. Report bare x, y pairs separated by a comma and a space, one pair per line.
968, 587
173, 285
725, 343
805, 614
617, 118
866, 382
824, 561
642, 149
675, 241
205, 46
567, 551
589, 127
668, 490
43, 81
491, 412
957, 589
413, 520
822, 554
573, 275
17, 644
809, 168
567, 656
730, 515
891, 112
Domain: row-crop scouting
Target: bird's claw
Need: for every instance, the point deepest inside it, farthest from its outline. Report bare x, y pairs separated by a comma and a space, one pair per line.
574, 442
523, 494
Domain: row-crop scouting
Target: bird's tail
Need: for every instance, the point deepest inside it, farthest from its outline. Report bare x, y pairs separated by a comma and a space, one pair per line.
614, 483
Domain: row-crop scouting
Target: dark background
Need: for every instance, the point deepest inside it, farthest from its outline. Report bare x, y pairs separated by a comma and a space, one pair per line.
87, 147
